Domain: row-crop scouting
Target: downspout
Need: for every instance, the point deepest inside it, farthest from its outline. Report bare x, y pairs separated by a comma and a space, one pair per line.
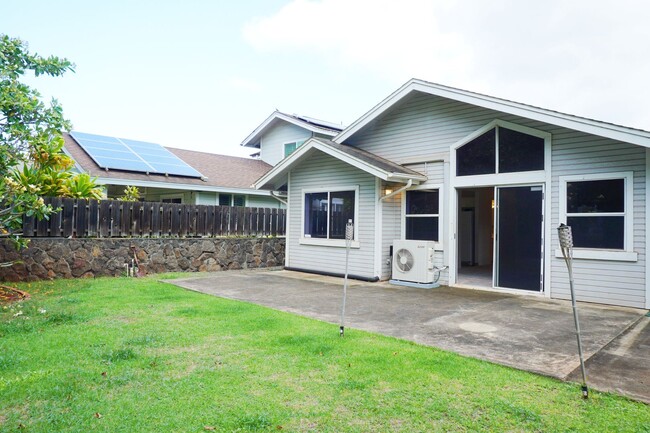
279, 198
397, 191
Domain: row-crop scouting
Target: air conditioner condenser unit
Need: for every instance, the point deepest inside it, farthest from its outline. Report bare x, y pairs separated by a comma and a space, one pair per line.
413, 264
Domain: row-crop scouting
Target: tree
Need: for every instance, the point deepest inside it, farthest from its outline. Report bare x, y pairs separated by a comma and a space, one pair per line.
32, 162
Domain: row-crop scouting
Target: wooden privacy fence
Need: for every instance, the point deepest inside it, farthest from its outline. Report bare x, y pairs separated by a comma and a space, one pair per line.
111, 218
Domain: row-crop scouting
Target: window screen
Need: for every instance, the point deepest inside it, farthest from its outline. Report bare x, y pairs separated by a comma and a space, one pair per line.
422, 215
477, 156
519, 151
225, 199
596, 213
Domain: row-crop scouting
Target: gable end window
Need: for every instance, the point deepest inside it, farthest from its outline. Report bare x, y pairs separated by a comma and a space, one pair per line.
326, 213
291, 147
422, 215
500, 150
598, 210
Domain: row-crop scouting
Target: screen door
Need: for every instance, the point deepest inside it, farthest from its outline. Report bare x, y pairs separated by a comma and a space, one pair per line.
519, 242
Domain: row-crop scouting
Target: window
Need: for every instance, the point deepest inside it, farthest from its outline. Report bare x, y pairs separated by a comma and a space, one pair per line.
327, 213
500, 150
595, 210
239, 200
232, 200
289, 148
225, 199
422, 215
171, 198
599, 210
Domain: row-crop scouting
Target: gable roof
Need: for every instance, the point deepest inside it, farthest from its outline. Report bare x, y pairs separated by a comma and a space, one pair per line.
363, 160
595, 127
222, 171
309, 123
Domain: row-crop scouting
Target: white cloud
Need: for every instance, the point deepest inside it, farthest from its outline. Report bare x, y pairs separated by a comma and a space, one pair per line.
398, 40
584, 57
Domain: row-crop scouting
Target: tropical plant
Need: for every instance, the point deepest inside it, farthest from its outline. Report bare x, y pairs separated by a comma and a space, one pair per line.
131, 193
32, 164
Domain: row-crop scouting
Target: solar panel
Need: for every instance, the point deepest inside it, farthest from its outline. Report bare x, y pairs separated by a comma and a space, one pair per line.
131, 155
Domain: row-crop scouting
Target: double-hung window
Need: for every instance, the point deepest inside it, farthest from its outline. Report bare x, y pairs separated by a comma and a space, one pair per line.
326, 213
422, 215
598, 210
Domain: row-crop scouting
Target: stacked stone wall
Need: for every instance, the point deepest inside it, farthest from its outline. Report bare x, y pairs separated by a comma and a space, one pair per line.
92, 257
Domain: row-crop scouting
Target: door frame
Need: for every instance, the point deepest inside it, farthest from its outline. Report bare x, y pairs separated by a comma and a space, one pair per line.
540, 177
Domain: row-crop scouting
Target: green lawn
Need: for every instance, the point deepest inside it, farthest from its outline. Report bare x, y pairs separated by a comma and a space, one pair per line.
138, 355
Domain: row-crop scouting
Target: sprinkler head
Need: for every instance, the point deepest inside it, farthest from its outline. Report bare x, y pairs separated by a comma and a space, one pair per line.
585, 392
341, 331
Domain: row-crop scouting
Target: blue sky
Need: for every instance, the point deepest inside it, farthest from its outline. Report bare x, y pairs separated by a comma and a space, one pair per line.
203, 74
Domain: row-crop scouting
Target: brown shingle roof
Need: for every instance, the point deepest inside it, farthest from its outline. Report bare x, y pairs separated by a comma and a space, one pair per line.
221, 170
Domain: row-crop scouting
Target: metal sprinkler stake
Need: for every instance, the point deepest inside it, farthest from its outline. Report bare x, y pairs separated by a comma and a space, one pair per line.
349, 234
566, 245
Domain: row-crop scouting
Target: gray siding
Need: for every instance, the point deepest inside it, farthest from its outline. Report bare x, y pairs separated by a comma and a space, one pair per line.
619, 283
423, 126
391, 228
272, 142
392, 219
209, 198
321, 171
263, 201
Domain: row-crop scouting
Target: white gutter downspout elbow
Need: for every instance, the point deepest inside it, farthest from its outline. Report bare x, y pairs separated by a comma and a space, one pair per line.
397, 191
278, 198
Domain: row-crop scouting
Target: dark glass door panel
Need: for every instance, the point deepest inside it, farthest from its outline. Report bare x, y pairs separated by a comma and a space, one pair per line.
519, 237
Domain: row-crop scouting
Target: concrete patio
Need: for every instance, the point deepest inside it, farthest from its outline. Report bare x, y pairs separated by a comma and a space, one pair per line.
525, 332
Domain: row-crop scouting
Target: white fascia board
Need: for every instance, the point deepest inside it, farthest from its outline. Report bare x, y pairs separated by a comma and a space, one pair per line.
615, 132
368, 168
284, 166
374, 112
181, 186
257, 133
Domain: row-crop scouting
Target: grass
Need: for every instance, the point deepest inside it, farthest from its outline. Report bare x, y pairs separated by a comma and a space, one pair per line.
138, 355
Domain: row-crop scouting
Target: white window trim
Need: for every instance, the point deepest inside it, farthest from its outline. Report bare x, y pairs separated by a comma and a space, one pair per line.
173, 196
627, 254
439, 187
325, 242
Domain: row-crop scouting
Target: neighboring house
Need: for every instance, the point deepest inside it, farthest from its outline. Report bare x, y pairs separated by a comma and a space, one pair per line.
489, 180
205, 178
281, 134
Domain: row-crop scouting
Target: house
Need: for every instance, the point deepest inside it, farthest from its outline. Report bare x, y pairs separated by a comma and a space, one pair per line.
281, 134
181, 176
489, 180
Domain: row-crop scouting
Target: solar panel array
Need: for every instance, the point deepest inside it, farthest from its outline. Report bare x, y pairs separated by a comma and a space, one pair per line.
131, 155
